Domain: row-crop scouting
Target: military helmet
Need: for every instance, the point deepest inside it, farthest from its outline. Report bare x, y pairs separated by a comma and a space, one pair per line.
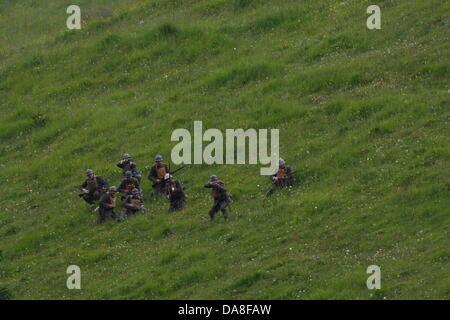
112, 189
159, 158
135, 191
89, 172
126, 156
128, 173
213, 177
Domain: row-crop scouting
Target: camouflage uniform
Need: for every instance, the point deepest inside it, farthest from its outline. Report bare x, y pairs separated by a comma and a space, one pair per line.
175, 194
106, 208
284, 178
221, 198
127, 185
96, 186
158, 171
131, 205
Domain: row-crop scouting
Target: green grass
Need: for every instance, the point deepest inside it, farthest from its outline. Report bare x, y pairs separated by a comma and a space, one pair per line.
363, 118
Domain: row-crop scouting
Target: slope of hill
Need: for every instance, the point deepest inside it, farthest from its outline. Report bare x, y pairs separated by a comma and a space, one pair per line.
363, 118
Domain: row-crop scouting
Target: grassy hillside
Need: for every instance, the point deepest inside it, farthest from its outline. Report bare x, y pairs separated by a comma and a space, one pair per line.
363, 118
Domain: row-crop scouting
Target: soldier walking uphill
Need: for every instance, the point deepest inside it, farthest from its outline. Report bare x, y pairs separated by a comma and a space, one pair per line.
174, 193
220, 195
157, 173
128, 184
92, 187
127, 164
282, 178
106, 206
132, 204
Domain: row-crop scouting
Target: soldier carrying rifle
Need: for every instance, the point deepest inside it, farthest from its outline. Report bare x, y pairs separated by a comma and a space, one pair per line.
220, 195
157, 173
92, 187
133, 203
282, 178
175, 193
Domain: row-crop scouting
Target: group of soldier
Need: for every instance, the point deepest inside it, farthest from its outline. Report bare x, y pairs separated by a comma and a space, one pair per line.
96, 188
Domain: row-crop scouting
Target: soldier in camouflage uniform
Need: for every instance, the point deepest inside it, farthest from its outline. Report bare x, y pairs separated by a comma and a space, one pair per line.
127, 164
106, 206
174, 193
282, 178
92, 187
157, 173
132, 204
220, 195
127, 185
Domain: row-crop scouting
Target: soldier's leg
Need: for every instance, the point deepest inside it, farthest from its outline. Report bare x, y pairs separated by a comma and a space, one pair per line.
123, 214
111, 215
223, 208
88, 198
101, 216
270, 191
214, 209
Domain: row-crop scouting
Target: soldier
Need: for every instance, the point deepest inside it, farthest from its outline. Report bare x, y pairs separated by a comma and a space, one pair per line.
128, 184
220, 195
174, 193
127, 164
92, 187
157, 174
132, 204
282, 178
107, 205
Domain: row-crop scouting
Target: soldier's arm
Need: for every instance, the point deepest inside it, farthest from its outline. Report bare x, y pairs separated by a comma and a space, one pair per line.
208, 185
152, 175
83, 185
120, 164
121, 187
220, 188
126, 202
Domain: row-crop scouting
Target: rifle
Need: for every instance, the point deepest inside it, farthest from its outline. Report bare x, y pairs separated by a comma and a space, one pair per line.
175, 171
290, 175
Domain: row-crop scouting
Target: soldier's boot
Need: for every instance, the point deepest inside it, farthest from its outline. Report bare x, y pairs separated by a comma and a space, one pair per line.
225, 214
211, 214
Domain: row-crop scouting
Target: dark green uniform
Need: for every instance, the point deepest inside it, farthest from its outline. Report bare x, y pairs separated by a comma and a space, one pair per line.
129, 165
96, 185
106, 208
158, 172
221, 198
281, 179
175, 194
131, 205
127, 185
